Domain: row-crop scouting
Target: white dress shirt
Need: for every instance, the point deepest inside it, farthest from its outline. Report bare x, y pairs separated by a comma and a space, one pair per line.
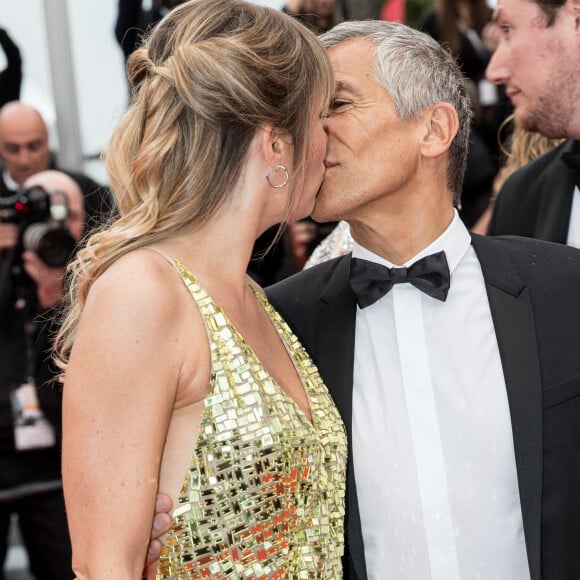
10, 184
574, 227
432, 441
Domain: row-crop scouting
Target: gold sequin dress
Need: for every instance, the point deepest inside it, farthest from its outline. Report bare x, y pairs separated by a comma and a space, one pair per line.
264, 493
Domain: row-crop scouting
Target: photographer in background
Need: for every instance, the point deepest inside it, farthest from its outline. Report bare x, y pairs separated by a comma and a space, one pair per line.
30, 407
24, 151
39, 225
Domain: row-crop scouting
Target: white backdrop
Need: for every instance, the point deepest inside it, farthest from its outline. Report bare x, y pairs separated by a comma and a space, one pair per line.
101, 90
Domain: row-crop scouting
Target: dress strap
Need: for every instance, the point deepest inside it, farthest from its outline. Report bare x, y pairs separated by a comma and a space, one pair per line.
204, 301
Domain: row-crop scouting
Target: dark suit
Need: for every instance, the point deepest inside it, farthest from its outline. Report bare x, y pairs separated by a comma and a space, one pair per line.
534, 294
536, 200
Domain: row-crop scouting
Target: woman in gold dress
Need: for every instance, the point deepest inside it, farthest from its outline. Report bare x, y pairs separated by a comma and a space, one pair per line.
178, 374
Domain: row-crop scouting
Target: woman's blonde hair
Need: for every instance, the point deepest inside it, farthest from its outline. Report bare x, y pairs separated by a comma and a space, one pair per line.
207, 77
520, 148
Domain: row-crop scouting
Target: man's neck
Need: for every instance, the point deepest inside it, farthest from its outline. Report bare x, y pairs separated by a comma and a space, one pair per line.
399, 236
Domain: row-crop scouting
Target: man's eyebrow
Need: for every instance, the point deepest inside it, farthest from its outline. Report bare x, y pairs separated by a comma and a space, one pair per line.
346, 87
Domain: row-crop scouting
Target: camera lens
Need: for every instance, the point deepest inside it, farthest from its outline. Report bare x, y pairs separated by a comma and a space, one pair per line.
53, 244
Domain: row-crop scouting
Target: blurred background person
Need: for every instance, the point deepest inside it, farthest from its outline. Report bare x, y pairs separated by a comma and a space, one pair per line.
521, 148
31, 284
460, 26
28, 289
542, 198
24, 148
359, 9
537, 59
394, 11
318, 15
133, 21
24, 151
11, 76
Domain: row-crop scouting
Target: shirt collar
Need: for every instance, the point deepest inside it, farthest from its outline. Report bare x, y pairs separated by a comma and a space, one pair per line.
454, 241
9, 182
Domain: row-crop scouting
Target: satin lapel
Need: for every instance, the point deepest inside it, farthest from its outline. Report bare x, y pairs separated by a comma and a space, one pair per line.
556, 201
335, 328
513, 319
337, 320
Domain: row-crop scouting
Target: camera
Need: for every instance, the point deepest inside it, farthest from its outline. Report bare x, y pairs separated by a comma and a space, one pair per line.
40, 216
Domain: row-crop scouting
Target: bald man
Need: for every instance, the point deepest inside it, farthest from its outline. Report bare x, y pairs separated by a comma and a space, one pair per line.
30, 483
24, 151
24, 148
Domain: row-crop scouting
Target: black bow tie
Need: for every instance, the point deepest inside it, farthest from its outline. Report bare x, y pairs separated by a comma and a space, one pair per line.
370, 281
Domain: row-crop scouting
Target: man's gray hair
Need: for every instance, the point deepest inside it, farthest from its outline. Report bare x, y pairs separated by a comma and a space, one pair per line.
417, 72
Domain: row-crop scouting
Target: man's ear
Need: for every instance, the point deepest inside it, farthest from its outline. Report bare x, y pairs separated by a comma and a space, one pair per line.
442, 123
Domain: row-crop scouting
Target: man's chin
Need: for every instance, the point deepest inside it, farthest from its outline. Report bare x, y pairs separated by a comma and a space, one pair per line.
525, 120
322, 215
22, 177
538, 122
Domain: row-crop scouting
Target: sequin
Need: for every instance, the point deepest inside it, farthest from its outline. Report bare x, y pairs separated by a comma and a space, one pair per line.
337, 243
264, 494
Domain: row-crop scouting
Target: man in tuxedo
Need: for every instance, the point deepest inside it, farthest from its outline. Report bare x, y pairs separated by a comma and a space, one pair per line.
452, 358
537, 60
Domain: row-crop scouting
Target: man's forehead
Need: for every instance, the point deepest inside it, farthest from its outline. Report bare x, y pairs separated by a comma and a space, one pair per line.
22, 141
511, 8
352, 54
499, 12
353, 62
23, 134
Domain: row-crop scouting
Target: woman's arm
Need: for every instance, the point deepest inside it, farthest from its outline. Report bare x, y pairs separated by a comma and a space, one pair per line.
118, 399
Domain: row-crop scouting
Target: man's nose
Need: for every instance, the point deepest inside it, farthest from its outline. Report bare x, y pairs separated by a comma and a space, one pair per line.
23, 156
497, 70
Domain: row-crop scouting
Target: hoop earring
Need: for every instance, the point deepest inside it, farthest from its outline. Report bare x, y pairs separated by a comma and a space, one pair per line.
278, 170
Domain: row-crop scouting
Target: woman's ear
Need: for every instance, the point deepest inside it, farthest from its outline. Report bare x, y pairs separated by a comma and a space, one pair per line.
442, 124
274, 145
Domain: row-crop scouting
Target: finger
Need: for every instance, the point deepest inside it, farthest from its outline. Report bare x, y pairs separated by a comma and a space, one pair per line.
161, 525
153, 553
163, 503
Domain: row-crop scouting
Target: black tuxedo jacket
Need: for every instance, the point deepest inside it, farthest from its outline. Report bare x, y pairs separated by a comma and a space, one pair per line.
533, 289
536, 200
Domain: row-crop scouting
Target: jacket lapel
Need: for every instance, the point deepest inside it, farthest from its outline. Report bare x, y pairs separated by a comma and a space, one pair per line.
556, 200
513, 320
338, 319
